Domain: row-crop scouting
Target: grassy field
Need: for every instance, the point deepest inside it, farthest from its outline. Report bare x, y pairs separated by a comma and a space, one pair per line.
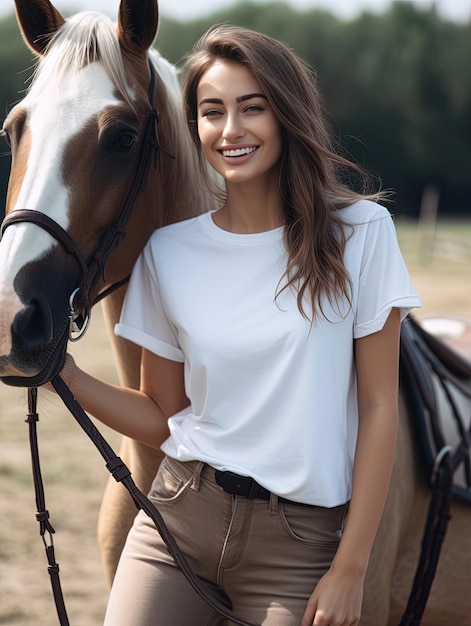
439, 261
74, 474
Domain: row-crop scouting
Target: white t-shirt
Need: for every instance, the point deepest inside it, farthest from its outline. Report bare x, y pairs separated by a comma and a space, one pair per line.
270, 396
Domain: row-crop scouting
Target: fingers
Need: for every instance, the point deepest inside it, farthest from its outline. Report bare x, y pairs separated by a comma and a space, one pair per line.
315, 616
67, 373
326, 618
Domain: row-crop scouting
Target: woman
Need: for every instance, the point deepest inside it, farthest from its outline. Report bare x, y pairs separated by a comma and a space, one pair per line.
270, 335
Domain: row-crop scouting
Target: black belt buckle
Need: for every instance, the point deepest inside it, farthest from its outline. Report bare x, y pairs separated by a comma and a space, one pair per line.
246, 487
234, 484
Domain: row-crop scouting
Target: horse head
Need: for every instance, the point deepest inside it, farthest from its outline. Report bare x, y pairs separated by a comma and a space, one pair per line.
82, 141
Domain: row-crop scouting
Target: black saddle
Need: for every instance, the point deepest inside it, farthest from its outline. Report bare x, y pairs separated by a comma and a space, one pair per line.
437, 384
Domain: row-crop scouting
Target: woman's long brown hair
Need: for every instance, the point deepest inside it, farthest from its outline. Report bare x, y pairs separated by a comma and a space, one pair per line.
311, 171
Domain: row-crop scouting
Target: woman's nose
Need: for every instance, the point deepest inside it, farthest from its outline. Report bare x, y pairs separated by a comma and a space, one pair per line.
233, 128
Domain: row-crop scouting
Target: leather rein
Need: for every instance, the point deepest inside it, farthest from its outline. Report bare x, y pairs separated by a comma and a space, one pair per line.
80, 305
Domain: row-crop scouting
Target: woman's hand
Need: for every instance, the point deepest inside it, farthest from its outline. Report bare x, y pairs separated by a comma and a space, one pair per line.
336, 601
69, 370
141, 414
67, 373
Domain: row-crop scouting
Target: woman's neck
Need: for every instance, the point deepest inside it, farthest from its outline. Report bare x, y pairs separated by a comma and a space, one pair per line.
250, 210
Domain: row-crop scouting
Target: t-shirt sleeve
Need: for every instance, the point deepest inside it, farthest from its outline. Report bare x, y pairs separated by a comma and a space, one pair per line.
384, 282
143, 319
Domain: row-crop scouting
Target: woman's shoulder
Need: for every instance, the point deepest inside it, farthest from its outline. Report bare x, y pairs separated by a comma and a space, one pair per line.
178, 231
363, 212
180, 228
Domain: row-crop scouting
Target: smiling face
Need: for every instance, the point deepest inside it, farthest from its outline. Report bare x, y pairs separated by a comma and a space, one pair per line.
239, 132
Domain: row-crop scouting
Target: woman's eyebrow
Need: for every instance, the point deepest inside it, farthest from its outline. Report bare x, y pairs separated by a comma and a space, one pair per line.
248, 96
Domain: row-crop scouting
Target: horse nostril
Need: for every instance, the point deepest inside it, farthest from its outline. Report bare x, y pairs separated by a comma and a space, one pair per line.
33, 325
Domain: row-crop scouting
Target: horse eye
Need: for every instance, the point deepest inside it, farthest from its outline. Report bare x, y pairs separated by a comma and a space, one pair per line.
125, 142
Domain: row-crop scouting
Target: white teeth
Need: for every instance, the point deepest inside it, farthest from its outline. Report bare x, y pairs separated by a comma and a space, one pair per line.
238, 152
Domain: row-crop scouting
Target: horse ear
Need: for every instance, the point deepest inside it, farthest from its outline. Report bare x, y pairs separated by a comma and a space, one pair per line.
138, 21
38, 21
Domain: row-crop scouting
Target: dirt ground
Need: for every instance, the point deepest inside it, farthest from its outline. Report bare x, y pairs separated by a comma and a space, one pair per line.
74, 473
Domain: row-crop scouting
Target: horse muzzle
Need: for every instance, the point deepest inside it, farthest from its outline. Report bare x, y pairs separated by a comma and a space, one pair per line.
35, 320
32, 368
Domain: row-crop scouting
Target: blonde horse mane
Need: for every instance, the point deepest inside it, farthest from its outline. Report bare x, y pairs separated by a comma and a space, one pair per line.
89, 37
84, 38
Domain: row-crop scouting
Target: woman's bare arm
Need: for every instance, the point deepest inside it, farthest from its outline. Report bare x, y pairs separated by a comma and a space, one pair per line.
140, 414
338, 597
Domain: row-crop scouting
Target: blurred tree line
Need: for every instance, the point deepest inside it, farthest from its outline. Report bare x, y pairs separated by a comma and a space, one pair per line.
397, 88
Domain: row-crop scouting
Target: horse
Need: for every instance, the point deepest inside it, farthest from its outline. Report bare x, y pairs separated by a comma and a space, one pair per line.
76, 141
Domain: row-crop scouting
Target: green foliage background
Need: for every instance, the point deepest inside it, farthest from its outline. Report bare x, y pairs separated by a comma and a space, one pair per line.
397, 87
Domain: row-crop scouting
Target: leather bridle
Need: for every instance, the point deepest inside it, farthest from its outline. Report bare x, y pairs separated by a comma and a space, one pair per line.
80, 305
80, 302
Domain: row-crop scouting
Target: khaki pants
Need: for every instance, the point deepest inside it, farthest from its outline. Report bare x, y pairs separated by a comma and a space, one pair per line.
263, 557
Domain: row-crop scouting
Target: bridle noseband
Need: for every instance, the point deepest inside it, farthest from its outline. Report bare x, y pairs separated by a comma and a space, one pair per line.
80, 301
77, 327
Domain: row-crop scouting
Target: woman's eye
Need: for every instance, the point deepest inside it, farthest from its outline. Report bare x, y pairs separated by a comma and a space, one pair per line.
211, 113
253, 108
